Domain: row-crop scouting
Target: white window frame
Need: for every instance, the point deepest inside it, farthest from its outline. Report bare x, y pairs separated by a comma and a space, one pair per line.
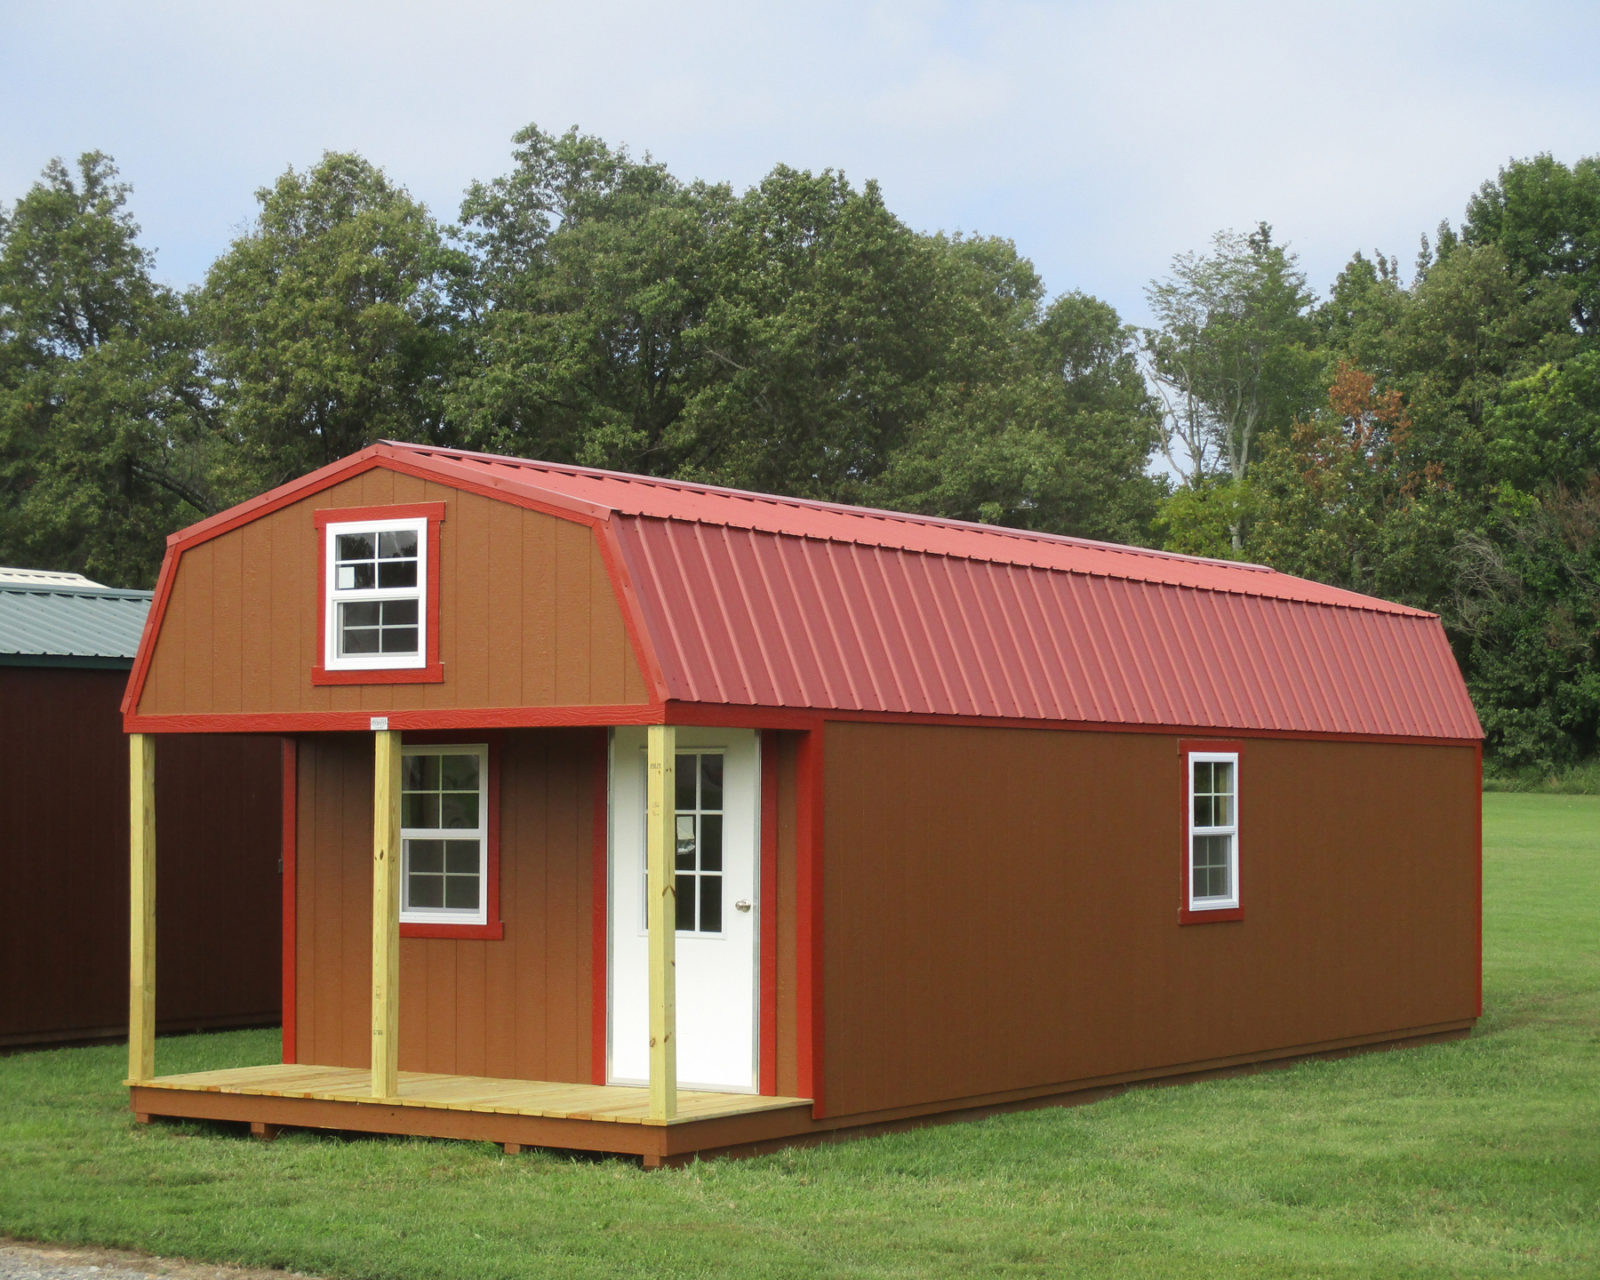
332, 659
447, 915
1231, 830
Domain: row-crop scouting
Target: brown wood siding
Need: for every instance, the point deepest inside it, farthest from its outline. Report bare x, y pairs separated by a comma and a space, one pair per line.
1001, 907
527, 614
64, 861
514, 1008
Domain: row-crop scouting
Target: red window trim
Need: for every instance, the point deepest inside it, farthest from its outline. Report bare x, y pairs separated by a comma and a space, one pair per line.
432, 670
493, 929
1187, 747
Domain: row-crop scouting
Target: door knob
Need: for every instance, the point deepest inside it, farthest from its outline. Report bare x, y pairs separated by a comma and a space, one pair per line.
742, 905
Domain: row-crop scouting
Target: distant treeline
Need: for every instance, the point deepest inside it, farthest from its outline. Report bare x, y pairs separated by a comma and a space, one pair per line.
1434, 439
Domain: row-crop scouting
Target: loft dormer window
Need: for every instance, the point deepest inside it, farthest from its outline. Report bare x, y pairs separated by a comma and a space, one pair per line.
379, 595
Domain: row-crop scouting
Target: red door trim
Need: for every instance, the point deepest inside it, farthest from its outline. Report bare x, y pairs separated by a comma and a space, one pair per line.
290, 838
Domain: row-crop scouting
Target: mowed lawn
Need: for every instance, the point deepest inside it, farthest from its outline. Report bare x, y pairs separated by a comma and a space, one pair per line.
1476, 1158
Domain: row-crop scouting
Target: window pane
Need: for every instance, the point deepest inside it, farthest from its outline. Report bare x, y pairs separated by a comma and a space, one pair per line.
711, 782
427, 856
461, 893
458, 772
399, 613
1202, 777
711, 904
419, 810
1224, 777
460, 809
400, 640
1202, 811
359, 613
685, 771
1223, 807
711, 842
426, 891
685, 888
421, 773
355, 546
461, 857
397, 573
346, 578
685, 842
397, 542
359, 640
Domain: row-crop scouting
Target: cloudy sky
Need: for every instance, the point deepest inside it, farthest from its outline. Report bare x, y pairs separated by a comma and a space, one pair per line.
1101, 137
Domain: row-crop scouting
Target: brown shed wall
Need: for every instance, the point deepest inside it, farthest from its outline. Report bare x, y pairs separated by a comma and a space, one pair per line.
528, 617
64, 863
513, 1008
1001, 907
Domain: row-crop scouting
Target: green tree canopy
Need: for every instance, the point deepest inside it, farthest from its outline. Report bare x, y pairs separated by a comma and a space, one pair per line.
330, 324
104, 444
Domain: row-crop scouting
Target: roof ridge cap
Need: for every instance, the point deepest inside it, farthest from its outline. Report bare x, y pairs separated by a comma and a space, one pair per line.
838, 508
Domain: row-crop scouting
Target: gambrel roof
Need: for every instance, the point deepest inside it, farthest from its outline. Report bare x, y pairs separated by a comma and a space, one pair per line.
746, 599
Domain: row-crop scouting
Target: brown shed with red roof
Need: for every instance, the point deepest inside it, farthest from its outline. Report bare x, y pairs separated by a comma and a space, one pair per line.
942, 817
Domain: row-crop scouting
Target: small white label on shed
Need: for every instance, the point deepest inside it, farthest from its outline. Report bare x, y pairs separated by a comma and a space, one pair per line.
379, 722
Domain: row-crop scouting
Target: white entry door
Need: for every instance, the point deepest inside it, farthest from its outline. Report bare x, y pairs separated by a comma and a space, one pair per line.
719, 909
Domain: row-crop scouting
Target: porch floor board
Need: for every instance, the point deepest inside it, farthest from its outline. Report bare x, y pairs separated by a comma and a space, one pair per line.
607, 1104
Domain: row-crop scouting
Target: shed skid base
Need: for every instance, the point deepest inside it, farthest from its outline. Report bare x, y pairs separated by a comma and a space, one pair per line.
615, 1120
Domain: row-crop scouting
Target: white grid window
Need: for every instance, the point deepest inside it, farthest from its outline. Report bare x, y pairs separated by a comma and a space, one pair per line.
377, 587
1213, 830
444, 819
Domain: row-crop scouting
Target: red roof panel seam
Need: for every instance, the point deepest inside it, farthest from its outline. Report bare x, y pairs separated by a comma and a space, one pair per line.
1373, 694
1187, 695
847, 603
782, 550
1066, 595
1004, 588
705, 666
962, 611
993, 655
1185, 623
759, 558
658, 607
833, 628
911, 642
1074, 674
857, 563
1128, 645
949, 636
1050, 672
715, 583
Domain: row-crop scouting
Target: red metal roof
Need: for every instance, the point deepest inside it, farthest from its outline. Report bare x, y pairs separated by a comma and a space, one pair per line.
751, 599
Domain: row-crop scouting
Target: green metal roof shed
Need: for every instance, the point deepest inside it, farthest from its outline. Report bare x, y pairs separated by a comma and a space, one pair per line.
65, 620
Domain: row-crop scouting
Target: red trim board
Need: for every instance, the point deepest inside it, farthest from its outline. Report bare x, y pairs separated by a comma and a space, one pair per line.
290, 837
768, 900
809, 921
599, 937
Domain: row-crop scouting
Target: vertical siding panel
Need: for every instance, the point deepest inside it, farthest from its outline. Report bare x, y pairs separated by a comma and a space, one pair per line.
528, 933
199, 570
502, 564
466, 593
355, 864
470, 1005
562, 910
571, 605
538, 615
500, 973
255, 612
440, 984
609, 654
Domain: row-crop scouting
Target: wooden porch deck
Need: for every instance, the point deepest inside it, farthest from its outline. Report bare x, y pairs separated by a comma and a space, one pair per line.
515, 1113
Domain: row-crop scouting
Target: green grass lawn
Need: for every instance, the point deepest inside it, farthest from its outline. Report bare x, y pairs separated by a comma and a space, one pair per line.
1475, 1158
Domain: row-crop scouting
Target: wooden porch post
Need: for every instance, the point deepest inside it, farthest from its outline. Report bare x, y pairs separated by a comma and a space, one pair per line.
662, 919
142, 907
385, 911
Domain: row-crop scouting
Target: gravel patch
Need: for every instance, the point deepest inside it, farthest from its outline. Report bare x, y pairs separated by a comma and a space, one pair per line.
22, 1261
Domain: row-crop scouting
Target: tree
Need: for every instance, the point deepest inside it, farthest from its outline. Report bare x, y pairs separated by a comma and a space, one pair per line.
330, 324
1230, 354
104, 428
1545, 218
